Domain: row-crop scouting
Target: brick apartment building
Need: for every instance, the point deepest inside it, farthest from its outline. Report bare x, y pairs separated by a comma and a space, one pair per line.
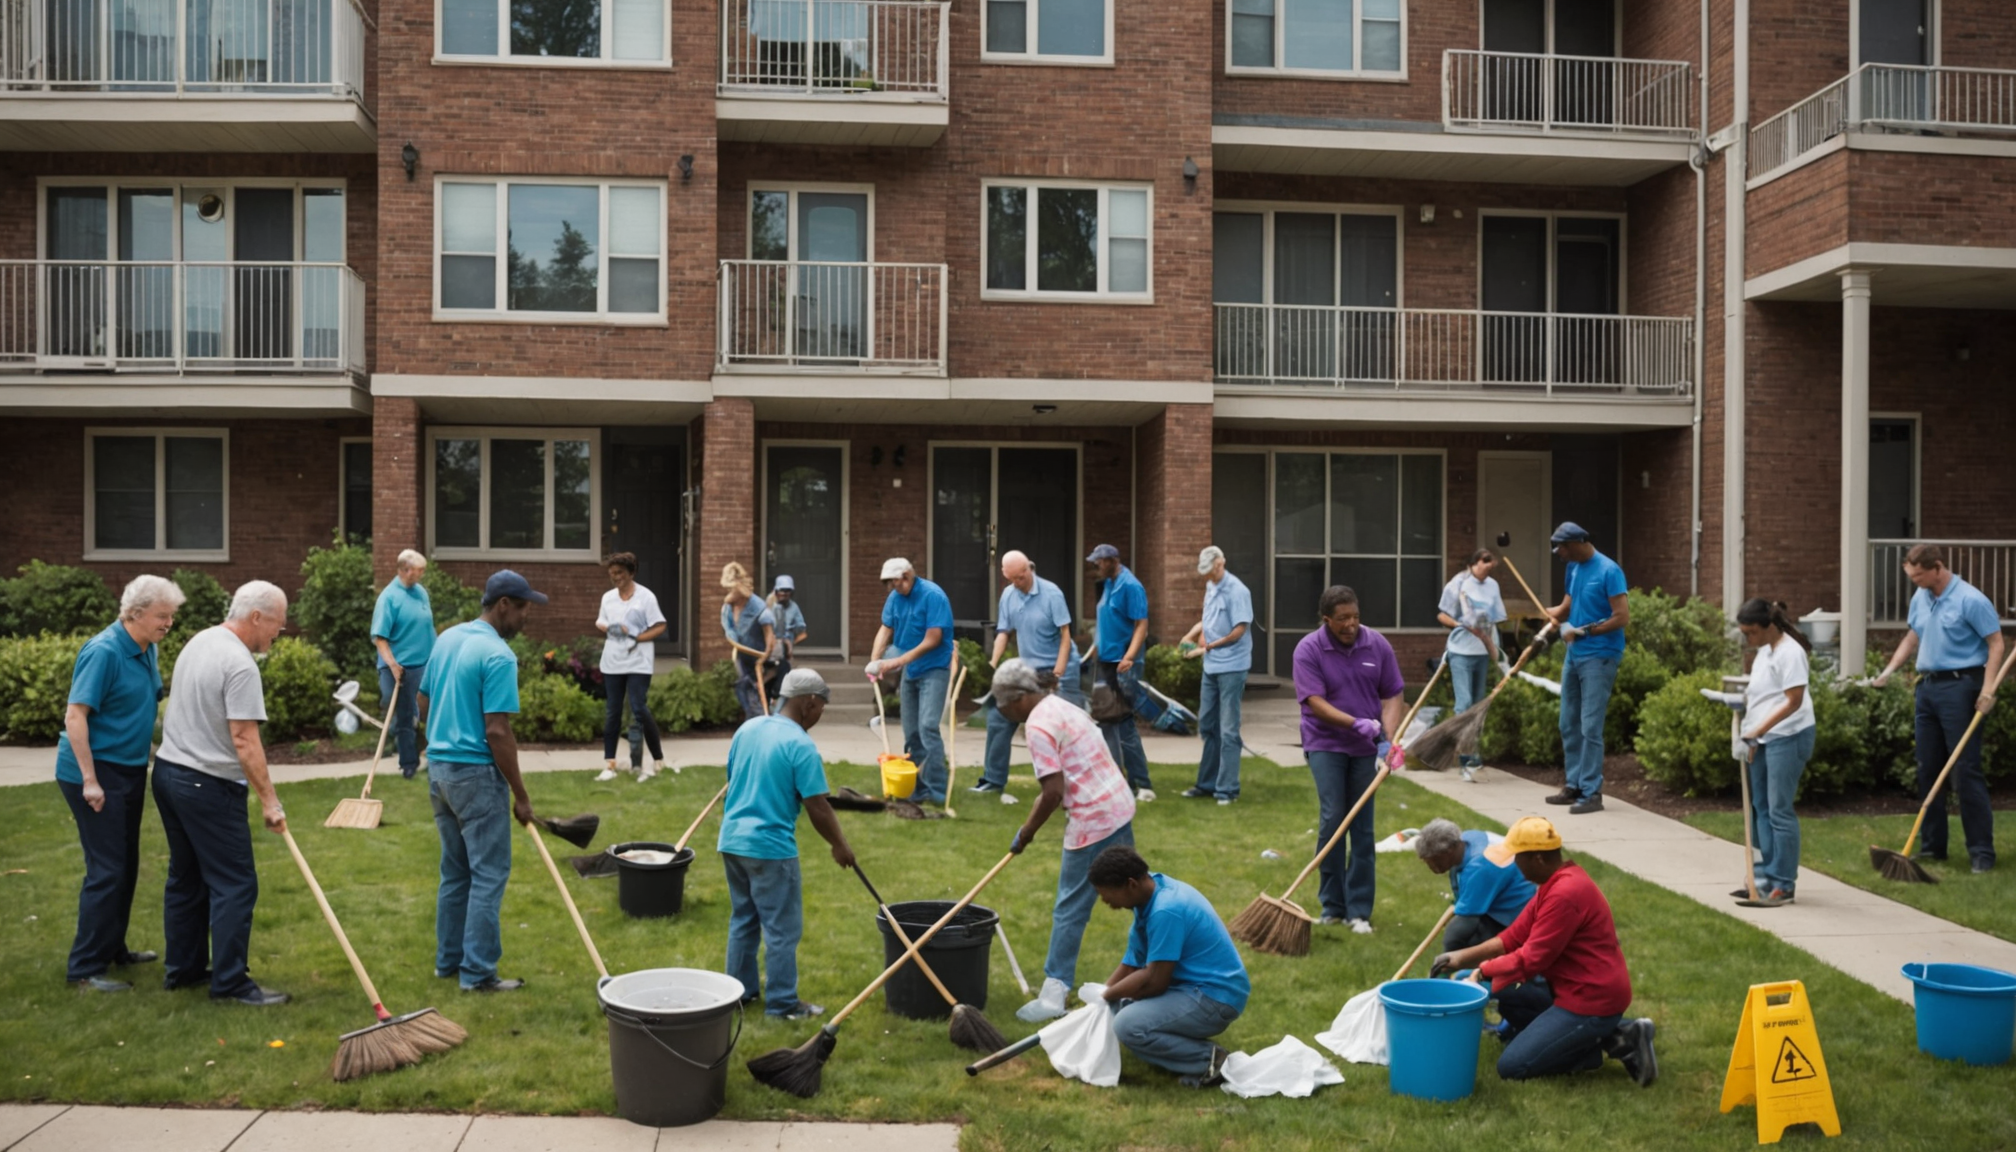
1349, 287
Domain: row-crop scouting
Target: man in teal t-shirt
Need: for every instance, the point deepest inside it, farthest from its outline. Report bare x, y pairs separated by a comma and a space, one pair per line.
1592, 618
773, 770
402, 629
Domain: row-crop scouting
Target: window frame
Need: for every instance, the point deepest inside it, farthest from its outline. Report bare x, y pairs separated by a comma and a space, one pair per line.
601, 317
1357, 51
343, 478
485, 434
228, 185
1553, 288
1268, 209
791, 189
507, 60
1032, 56
1033, 186
160, 551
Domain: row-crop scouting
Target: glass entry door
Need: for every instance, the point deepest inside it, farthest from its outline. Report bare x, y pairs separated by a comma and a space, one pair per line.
989, 500
805, 535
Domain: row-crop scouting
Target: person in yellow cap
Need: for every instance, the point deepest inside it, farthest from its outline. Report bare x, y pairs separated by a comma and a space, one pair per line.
1558, 972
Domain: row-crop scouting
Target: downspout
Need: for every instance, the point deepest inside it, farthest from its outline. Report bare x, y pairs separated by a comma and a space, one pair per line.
1699, 163
1735, 214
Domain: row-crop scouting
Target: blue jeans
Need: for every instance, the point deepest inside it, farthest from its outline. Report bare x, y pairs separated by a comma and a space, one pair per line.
1001, 733
213, 884
923, 697
745, 686
1944, 709
1469, 675
405, 734
111, 842
1123, 739
1585, 701
1218, 723
1075, 897
1174, 1030
1348, 875
765, 908
472, 811
1775, 769
634, 687
1549, 1040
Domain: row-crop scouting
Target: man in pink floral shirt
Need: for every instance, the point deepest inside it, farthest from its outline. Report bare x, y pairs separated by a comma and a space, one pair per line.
1078, 775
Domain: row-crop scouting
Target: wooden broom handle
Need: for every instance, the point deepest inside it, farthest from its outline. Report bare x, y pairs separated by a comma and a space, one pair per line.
1520, 663
329, 914
384, 730
1523, 586
1447, 914
951, 741
1979, 716
882, 720
695, 826
568, 898
904, 937
919, 943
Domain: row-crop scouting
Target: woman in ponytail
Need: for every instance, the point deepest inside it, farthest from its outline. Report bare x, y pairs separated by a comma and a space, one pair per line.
747, 624
1778, 731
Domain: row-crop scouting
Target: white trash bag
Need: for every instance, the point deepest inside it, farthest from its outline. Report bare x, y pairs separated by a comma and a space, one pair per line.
1290, 1068
1082, 1046
1359, 1032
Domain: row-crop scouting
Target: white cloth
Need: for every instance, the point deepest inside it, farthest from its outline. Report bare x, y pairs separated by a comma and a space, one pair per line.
1359, 1032
1082, 1046
1290, 1068
624, 654
1778, 668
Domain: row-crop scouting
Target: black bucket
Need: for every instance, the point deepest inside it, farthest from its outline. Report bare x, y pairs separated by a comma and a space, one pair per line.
958, 954
651, 890
670, 1037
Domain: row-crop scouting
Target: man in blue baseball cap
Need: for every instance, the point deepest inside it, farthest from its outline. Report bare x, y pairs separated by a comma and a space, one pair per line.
467, 698
1120, 631
1592, 617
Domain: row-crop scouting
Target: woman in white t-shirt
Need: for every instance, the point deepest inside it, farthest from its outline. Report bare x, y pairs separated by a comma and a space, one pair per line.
1471, 608
631, 621
1778, 729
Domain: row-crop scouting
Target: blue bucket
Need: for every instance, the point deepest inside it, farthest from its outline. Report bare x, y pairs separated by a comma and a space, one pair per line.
1432, 1031
1964, 1012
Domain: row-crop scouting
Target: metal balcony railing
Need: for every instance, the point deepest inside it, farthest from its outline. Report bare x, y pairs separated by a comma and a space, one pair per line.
829, 316
172, 316
1989, 565
1888, 97
888, 49
1523, 92
182, 47
1437, 351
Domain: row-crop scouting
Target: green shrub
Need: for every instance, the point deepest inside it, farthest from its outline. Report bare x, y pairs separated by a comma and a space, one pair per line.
554, 708
205, 602
1840, 760
298, 680
454, 602
171, 651
979, 673
335, 603
1683, 737
1639, 674
1179, 679
35, 685
683, 699
55, 598
1684, 636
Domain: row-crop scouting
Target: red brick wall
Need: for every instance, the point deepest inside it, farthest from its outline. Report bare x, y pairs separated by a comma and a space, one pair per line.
1174, 516
726, 449
1908, 198
1802, 213
1797, 47
1431, 28
1977, 34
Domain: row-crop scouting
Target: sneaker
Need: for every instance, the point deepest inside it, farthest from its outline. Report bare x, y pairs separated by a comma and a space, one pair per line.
1566, 795
1469, 774
1144, 795
1983, 864
1195, 794
1587, 804
1361, 926
1048, 1004
1633, 1048
1329, 919
1213, 1074
644, 774
1226, 801
800, 1011
256, 997
101, 984
1009, 798
493, 984
984, 787
606, 775
1779, 896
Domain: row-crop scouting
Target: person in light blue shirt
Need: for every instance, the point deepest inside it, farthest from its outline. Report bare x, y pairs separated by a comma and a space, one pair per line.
752, 629
1471, 608
917, 622
1488, 888
1223, 639
402, 629
1121, 631
1592, 618
468, 696
1181, 981
773, 770
1034, 614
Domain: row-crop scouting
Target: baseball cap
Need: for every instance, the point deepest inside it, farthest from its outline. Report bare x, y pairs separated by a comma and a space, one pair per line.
1568, 533
504, 583
894, 567
1532, 834
804, 682
784, 583
1103, 552
1207, 558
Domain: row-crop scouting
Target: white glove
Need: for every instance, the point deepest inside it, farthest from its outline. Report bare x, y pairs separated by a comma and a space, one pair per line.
873, 670
1736, 700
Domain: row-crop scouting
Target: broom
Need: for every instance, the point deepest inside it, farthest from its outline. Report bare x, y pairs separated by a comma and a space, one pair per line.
952, 738
576, 830
1440, 747
392, 1042
1280, 926
761, 695
970, 1026
567, 898
845, 799
363, 812
1898, 865
796, 1070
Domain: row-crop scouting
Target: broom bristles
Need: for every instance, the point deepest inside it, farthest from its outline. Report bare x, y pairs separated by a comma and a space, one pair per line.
431, 1032
971, 1029
353, 812
1441, 746
1894, 865
1276, 926
379, 1048
796, 1070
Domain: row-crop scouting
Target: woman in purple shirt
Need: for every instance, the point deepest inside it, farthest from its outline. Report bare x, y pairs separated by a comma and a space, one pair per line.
1348, 682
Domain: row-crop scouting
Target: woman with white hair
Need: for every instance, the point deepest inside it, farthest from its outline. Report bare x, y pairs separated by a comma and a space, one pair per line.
402, 628
101, 768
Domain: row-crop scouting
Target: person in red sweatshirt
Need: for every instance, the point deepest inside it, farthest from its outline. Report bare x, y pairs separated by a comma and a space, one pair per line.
1557, 972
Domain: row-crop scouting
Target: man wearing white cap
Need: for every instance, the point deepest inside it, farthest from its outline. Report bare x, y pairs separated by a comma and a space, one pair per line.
917, 618
789, 621
1223, 639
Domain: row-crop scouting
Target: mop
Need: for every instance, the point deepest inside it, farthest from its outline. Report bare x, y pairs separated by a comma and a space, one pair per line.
1359, 1032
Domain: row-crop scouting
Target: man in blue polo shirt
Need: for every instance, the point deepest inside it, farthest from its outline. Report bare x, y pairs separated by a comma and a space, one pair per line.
1181, 981
1032, 613
1483, 877
917, 618
402, 629
1223, 639
1121, 630
1592, 618
1957, 636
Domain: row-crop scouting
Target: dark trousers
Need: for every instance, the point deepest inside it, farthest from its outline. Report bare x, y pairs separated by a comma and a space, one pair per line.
405, 734
1945, 707
111, 840
1348, 875
206, 915
635, 687
1549, 1040
1469, 931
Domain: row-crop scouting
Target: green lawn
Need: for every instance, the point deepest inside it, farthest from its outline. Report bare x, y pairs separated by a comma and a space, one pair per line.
1839, 847
544, 1050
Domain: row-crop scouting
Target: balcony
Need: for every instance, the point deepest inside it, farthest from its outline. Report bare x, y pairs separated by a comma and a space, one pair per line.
1887, 98
1513, 92
850, 72
184, 76
1989, 565
823, 318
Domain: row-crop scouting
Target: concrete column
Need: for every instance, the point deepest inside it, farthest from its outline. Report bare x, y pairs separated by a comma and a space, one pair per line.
727, 518
1173, 515
398, 471
1854, 469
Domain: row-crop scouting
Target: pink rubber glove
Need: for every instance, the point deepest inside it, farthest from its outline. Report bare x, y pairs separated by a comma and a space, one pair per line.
1396, 759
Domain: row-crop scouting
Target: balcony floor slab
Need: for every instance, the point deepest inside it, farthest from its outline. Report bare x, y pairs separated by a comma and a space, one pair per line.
93, 122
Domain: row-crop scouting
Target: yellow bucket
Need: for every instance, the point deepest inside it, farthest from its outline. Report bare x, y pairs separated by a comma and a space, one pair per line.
899, 777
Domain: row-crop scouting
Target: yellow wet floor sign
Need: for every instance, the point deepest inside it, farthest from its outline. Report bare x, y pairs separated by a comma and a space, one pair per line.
1777, 1064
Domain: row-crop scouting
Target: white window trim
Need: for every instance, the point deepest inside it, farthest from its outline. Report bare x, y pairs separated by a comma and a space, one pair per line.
180, 184
1623, 252
1033, 186
601, 317
1357, 51
1269, 208
1034, 57
160, 551
791, 188
487, 433
505, 60
343, 479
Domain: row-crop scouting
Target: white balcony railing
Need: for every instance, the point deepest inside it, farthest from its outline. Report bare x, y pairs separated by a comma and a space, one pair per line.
1888, 97
891, 49
148, 316
1429, 350
182, 47
832, 317
1522, 92
1989, 565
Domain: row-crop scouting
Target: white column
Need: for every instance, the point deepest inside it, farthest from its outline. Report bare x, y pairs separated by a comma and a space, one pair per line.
1854, 469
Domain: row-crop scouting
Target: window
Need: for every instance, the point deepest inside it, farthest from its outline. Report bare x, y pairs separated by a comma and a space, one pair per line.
555, 31
1052, 31
1549, 280
512, 493
156, 494
1330, 37
557, 250
354, 495
1085, 241
1306, 295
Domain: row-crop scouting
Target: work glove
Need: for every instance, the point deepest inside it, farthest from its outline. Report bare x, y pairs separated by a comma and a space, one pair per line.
1367, 727
1396, 758
873, 670
1442, 963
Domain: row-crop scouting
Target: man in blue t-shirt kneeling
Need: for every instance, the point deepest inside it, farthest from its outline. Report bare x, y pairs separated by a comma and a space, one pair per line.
1182, 981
